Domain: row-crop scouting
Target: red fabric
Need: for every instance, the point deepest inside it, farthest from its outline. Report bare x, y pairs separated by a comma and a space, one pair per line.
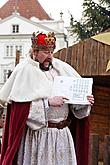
14, 127
82, 141
41, 39
80, 132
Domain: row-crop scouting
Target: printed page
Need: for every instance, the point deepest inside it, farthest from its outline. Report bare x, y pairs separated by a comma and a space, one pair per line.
75, 89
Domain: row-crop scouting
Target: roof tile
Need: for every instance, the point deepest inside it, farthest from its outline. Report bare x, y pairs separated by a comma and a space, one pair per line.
26, 8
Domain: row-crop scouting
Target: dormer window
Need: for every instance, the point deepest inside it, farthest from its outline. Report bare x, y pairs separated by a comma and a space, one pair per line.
15, 28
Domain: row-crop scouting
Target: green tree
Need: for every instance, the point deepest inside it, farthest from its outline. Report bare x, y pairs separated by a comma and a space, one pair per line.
95, 19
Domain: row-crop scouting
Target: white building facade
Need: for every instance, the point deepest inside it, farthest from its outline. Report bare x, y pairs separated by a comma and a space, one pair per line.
15, 34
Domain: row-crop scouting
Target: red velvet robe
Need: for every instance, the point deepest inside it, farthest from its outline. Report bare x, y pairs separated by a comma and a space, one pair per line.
17, 114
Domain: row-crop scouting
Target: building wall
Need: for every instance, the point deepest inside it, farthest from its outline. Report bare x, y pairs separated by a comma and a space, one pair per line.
10, 41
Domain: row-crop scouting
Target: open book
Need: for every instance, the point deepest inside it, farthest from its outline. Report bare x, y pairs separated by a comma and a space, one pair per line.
75, 89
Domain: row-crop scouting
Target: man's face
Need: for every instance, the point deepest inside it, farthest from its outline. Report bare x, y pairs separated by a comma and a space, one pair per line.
44, 57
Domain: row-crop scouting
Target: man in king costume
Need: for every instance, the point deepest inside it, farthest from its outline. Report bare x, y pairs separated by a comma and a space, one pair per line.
36, 130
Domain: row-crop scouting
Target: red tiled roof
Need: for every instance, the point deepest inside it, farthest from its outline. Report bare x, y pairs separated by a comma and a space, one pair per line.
26, 8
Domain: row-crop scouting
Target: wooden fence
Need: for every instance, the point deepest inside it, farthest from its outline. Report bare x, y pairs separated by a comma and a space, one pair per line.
88, 57
95, 149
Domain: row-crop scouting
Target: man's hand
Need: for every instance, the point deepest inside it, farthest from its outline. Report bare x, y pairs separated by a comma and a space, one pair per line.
91, 99
57, 101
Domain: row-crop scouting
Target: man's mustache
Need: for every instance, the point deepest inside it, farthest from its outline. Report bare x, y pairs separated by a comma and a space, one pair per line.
48, 60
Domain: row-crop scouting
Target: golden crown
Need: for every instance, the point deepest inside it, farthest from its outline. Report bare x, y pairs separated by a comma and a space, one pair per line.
43, 41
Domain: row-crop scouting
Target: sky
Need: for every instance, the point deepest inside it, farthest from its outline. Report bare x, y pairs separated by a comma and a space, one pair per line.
55, 7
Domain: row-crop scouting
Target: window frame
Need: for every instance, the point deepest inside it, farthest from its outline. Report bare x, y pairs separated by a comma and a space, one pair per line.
10, 50
15, 28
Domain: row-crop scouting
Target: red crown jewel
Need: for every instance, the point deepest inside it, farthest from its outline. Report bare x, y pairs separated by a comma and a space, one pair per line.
42, 41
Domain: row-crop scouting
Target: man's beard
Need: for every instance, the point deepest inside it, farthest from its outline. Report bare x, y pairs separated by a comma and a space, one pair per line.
42, 67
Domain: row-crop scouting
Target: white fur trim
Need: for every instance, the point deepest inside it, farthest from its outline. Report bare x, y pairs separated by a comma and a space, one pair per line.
27, 82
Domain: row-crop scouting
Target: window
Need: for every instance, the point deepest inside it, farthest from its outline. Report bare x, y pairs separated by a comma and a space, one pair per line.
7, 50
6, 74
11, 50
15, 28
19, 47
16, 47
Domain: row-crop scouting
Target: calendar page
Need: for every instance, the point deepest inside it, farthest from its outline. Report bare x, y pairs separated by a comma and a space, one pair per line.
75, 89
